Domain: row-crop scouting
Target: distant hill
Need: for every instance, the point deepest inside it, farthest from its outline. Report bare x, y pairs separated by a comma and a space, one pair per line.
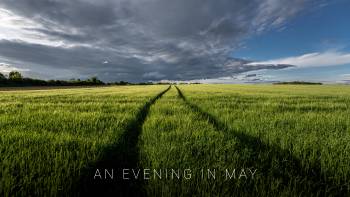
297, 83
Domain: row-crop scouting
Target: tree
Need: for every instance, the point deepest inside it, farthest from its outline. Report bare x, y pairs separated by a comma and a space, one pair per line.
94, 79
15, 76
2, 77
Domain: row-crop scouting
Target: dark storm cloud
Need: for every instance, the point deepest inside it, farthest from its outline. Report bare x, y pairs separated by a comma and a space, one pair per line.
143, 39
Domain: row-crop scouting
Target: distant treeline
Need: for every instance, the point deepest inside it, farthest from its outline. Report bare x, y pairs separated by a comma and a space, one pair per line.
16, 79
297, 83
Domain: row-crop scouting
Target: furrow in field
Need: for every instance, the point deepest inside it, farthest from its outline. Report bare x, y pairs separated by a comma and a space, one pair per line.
173, 138
184, 155
279, 171
122, 155
48, 137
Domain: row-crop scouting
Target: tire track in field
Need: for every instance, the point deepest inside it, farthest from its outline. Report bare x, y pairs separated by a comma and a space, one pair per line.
312, 180
123, 155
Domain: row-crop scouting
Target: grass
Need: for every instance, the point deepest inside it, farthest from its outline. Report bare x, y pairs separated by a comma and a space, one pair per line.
296, 137
49, 137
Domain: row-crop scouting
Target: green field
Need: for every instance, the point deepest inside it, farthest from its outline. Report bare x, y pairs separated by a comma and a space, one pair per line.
272, 140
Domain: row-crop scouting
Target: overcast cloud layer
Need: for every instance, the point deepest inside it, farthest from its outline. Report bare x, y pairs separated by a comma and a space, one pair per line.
135, 40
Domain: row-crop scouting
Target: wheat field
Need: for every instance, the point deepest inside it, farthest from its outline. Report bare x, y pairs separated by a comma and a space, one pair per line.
178, 140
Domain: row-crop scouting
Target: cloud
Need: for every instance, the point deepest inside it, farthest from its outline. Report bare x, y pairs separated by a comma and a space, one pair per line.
6, 68
182, 39
311, 60
238, 79
153, 75
347, 76
344, 78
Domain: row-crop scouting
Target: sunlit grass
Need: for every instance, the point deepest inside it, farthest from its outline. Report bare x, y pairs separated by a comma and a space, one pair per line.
310, 123
295, 137
49, 136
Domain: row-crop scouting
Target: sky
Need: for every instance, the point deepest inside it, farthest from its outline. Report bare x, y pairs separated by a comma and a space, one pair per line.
224, 41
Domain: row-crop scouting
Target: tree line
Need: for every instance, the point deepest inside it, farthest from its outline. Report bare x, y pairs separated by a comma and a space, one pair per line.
297, 83
15, 78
